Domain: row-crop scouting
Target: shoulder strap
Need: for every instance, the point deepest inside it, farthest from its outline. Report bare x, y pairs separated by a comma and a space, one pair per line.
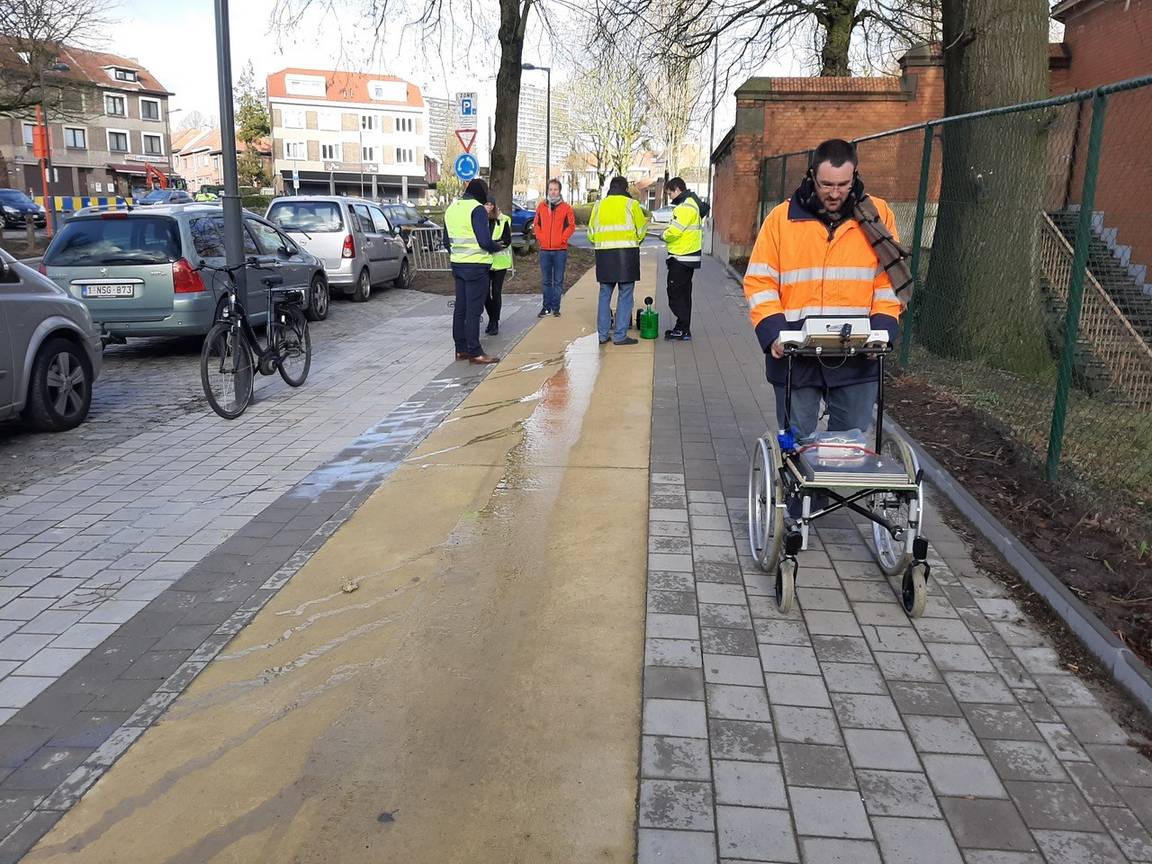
892, 257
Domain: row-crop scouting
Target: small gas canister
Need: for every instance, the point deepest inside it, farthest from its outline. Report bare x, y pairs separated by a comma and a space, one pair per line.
649, 321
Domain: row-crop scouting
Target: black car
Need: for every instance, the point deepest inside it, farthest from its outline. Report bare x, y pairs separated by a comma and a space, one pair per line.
403, 217
16, 208
164, 196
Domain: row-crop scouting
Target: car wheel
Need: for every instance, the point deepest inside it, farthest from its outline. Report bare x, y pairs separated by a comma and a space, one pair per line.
363, 287
319, 300
60, 392
404, 279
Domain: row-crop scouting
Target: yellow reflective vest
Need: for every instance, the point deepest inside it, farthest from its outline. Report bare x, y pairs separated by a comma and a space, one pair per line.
502, 260
617, 222
684, 235
466, 248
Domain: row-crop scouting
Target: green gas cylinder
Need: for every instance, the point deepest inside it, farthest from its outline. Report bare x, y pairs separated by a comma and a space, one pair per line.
649, 321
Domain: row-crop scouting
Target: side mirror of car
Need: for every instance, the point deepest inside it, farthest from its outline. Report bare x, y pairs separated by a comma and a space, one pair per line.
252, 261
5, 270
284, 252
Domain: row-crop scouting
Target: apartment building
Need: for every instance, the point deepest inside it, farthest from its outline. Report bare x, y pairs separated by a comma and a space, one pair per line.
112, 121
441, 124
196, 156
348, 134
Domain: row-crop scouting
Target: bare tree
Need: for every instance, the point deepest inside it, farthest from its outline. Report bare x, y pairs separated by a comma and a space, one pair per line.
197, 120
447, 29
752, 31
34, 35
609, 112
675, 90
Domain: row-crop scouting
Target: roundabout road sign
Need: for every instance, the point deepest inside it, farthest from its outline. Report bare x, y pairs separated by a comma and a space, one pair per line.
466, 166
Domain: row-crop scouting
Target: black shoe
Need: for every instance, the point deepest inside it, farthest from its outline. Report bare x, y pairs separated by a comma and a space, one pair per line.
541, 313
675, 333
627, 340
605, 341
555, 313
492, 330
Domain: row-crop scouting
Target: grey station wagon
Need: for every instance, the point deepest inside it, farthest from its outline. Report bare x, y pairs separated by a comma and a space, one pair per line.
50, 352
137, 271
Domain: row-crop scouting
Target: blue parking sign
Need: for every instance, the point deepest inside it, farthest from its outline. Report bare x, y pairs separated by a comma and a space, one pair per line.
466, 166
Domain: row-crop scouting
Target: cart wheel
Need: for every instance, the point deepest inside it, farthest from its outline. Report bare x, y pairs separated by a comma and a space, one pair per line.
786, 585
765, 510
904, 509
914, 591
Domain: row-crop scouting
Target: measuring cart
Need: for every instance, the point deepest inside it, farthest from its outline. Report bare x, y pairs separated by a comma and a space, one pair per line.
792, 483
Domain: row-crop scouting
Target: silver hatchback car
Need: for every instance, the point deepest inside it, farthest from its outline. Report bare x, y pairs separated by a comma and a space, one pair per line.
50, 351
360, 248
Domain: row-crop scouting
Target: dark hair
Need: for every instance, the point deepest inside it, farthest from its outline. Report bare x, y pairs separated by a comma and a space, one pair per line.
559, 185
834, 150
677, 183
618, 186
477, 189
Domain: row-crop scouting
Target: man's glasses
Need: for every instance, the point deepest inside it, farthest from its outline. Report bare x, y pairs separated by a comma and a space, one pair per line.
833, 187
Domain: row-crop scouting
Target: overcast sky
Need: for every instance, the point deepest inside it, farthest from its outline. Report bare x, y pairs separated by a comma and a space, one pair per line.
175, 40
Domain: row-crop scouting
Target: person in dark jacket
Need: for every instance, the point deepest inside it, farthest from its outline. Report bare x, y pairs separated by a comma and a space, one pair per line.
471, 252
501, 264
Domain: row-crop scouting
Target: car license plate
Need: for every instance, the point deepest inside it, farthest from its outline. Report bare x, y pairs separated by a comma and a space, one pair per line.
108, 290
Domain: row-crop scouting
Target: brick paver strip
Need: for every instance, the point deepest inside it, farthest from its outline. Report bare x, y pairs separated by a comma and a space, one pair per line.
955, 738
86, 705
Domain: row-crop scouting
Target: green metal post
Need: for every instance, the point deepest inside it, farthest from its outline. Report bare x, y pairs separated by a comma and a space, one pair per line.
1076, 285
917, 242
783, 180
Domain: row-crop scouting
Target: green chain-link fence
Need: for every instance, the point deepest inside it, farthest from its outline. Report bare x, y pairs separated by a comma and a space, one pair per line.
1032, 303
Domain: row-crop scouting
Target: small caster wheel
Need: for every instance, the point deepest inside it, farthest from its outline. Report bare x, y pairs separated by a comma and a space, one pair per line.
786, 585
914, 591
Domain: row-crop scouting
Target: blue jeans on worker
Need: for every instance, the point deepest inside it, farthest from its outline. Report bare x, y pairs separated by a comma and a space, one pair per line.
552, 265
471, 292
623, 310
849, 407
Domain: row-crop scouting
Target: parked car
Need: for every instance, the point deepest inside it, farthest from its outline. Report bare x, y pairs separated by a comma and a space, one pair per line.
16, 208
49, 351
163, 196
138, 270
522, 224
359, 247
662, 215
403, 216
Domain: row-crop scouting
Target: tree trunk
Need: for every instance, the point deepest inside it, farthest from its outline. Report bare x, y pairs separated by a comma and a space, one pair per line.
513, 22
982, 299
837, 19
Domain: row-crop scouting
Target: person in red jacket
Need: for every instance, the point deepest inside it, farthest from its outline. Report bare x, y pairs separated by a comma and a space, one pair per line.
553, 224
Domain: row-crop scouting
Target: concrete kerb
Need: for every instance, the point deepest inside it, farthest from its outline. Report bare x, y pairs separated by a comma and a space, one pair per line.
1128, 670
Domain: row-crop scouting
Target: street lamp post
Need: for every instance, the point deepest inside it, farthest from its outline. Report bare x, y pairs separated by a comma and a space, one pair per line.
230, 197
46, 148
547, 70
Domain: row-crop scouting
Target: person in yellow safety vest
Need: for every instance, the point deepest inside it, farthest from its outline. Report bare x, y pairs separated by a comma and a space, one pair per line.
471, 250
501, 264
616, 229
813, 258
684, 236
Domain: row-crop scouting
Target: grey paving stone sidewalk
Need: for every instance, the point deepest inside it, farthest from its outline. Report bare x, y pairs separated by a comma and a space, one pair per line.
844, 732
140, 569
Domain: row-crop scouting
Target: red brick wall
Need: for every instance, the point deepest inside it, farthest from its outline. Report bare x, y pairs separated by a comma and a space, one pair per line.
1109, 42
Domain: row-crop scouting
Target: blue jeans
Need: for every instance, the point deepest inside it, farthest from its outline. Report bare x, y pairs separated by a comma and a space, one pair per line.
623, 309
851, 407
552, 266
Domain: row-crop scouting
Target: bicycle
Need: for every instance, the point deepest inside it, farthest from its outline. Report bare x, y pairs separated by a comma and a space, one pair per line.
226, 361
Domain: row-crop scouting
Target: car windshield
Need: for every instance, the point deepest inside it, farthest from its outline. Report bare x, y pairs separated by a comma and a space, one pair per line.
14, 196
310, 217
156, 196
103, 241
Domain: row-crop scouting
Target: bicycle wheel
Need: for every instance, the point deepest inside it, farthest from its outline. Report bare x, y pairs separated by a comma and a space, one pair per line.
289, 333
903, 510
226, 370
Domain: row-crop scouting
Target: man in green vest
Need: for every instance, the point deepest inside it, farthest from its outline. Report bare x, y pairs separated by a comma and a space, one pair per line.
471, 251
684, 237
616, 228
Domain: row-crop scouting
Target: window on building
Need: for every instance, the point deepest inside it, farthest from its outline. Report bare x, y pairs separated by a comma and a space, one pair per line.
369, 122
404, 155
294, 118
29, 134
368, 154
115, 106
75, 138
330, 152
153, 145
329, 121
150, 108
117, 141
125, 75
405, 124
295, 150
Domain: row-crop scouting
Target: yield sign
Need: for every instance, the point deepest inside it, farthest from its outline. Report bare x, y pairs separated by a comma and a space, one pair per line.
466, 137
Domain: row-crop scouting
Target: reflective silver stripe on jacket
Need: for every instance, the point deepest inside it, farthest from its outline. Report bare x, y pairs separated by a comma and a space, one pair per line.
688, 259
762, 270
617, 244
762, 297
798, 314
821, 274
884, 294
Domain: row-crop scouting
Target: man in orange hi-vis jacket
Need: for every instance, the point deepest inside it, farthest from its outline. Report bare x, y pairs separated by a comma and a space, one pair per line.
813, 258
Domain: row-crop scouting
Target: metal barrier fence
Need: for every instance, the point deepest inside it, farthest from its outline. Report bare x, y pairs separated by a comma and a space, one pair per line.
1032, 256
429, 254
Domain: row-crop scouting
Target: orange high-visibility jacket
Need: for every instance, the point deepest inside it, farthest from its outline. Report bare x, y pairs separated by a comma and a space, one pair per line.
800, 267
